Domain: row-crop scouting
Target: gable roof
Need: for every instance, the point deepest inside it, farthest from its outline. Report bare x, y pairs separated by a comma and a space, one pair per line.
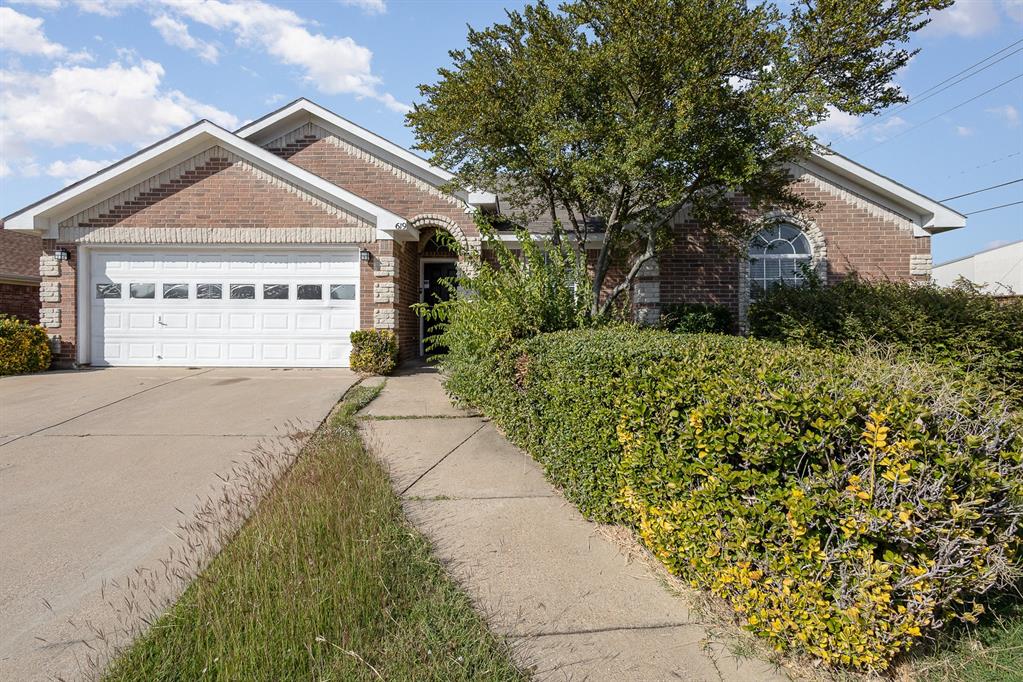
43, 215
928, 216
302, 111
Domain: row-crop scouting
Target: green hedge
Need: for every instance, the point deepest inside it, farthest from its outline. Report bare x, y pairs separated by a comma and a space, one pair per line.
952, 326
374, 351
697, 318
24, 347
844, 506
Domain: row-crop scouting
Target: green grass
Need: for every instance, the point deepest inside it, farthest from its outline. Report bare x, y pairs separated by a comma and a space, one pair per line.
326, 581
989, 652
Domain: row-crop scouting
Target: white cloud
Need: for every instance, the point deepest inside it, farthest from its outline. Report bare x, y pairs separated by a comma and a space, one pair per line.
367, 6
24, 35
966, 18
75, 169
334, 65
5, 170
41, 4
1007, 113
1014, 8
106, 8
121, 103
176, 33
838, 124
881, 131
963, 131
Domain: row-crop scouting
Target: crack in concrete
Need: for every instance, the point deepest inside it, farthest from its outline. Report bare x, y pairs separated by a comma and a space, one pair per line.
597, 631
101, 407
452, 498
437, 463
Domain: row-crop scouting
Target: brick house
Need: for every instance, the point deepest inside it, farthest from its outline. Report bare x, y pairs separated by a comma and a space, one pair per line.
19, 274
269, 245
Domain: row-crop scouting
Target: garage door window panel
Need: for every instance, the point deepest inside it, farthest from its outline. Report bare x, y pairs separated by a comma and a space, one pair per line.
276, 292
108, 291
207, 292
342, 292
175, 292
310, 292
243, 292
142, 290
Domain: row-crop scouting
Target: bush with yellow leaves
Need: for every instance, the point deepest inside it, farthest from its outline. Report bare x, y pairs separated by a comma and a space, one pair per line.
846, 506
24, 347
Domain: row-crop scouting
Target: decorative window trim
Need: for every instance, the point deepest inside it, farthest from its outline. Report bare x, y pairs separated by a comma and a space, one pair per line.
818, 256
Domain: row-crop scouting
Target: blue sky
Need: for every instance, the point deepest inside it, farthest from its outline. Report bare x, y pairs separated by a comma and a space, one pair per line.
86, 82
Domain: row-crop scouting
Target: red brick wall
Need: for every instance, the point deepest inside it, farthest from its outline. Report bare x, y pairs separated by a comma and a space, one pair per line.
860, 242
20, 300
218, 194
19, 253
699, 269
19, 274
408, 294
371, 182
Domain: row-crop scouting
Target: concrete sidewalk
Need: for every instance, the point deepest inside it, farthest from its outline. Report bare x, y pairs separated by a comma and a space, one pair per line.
566, 598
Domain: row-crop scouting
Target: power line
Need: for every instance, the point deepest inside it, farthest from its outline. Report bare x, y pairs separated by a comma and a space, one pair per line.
985, 189
920, 96
985, 164
992, 208
939, 115
993, 54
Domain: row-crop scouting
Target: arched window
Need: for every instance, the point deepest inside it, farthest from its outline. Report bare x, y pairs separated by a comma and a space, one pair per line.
779, 254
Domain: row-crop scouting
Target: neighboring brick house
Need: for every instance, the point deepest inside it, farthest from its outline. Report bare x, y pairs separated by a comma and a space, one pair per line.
19, 274
269, 245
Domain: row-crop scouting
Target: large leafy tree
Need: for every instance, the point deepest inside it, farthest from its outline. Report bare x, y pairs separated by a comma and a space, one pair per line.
634, 110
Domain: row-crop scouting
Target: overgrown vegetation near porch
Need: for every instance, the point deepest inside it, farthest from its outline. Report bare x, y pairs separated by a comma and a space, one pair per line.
849, 506
325, 581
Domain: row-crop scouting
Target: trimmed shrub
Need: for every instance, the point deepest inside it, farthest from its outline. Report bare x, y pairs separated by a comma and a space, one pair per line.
374, 351
24, 347
846, 507
697, 318
959, 327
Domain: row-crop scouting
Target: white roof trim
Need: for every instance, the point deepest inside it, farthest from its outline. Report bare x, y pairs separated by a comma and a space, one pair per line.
44, 215
303, 110
934, 216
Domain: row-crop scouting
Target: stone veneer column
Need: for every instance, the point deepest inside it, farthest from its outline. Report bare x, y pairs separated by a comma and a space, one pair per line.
646, 293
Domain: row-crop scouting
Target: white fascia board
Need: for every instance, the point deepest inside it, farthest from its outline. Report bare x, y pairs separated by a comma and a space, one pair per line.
593, 241
934, 216
302, 111
44, 215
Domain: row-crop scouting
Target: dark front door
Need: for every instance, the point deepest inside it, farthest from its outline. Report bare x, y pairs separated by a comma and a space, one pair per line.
435, 291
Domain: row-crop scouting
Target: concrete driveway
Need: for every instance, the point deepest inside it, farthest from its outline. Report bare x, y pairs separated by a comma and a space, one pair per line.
94, 466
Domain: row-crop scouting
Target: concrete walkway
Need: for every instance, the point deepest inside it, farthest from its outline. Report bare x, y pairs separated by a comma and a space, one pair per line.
566, 598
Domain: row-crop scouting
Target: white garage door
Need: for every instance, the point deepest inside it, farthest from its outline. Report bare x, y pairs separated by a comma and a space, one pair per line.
207, 308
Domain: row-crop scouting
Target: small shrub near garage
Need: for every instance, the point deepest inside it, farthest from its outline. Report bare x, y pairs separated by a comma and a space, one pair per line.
24, 347
959, 326
845, 507
374, 351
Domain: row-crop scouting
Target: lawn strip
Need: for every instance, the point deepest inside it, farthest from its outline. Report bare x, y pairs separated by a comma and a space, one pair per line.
327, 580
